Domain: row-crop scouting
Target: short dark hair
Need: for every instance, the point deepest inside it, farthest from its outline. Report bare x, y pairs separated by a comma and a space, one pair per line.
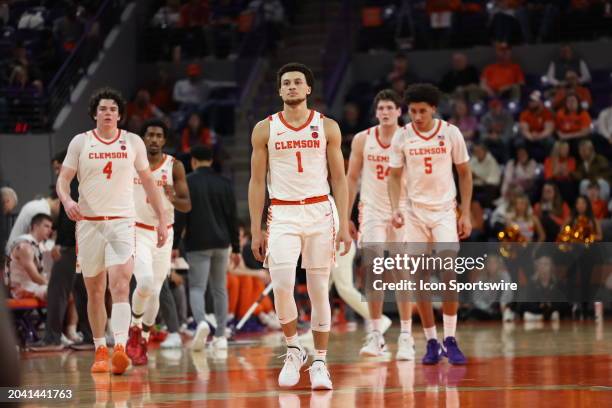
59, 156
39, 218
388, 95
106, 93
201, 153
427, 93
295, 67
154, 123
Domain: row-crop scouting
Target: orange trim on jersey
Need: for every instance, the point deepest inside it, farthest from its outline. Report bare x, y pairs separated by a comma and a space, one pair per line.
104, 141
432, 135
379, 141
309, 200
160, 163
296, 129
150, 227
103, 218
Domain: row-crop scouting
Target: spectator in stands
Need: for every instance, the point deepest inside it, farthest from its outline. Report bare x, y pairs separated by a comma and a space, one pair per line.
552, 211
559, 168
21, 85
195, 17
521, 214
600, 207
572, 87
503, 206
521, 171
399, 71
464, 120
487, 304
593, 167
68, 29
441, 21
504, 78
496, 130
190, 92
140, 110
462, 80
567, 61
195, 133
25, 265
22, 59
509, 22
537, 125
166, 26
486, 174
48, 205
545, 288
572, 122
161, 91
604, 123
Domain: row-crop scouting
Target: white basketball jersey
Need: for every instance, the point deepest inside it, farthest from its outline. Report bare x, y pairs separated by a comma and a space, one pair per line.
105, 170
162, 176
428, 159
297, 159
375, 175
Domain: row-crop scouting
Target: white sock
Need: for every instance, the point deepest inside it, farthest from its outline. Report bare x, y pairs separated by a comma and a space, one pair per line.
377, 325
320, 355
293, 341
450, 325
430, 333
406, 326
71, 330
120, 322
99, 342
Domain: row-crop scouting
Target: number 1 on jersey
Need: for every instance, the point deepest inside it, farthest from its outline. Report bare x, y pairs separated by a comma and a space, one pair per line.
108, 170
299, 161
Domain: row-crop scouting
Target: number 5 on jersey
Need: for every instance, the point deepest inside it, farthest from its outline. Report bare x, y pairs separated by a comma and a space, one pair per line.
108, 170
427, 163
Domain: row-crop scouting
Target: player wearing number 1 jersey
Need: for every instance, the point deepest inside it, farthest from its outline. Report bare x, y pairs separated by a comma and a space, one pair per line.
104, 160
369, 160
427, 148
293, 150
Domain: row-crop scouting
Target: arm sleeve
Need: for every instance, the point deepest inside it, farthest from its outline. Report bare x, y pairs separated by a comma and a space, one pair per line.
141, 162
459, 149
397, 149
74, 151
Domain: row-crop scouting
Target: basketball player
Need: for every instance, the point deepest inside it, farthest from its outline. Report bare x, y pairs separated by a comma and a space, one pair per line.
369, 160
152, 265
428, 148
104, 160
298, 145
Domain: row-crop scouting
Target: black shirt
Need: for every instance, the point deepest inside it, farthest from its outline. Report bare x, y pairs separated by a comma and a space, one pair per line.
454, 79
65, 226
212, 222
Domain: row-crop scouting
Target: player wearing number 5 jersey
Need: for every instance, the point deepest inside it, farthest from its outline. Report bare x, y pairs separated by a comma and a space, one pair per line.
104, 160
293, 150
427, 148
369, 160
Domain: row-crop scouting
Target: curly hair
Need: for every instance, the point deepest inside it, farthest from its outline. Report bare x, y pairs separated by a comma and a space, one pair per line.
427, 93
106, 93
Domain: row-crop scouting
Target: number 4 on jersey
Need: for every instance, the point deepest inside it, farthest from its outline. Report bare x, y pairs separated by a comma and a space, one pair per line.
381, 173
108, 169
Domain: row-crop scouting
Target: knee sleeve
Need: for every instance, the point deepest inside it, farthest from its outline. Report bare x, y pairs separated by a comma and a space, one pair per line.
317, 282
145, 286
283, 282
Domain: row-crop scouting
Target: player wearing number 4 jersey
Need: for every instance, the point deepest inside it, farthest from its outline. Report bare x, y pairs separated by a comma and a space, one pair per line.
427, 149
370, 155
294, 149
104, 160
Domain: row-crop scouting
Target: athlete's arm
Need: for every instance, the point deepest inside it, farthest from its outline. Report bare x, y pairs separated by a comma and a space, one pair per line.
335, 161
394, 182
257, 185
179, 196
355, 167
464, 223
23, 254
67, 173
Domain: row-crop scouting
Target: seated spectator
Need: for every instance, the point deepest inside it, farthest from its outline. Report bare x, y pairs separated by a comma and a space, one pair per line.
552, 211
560, 168
195, 16
544, 286
492, 305
400, 70
440, 14
537, 125
195, 133
573, 123
593, 167
166, 22
604, 126
68, 29
464, 120
600, 207
20, 85
48, 205
521, 171
567, 61
503, 206
26, 260
140, 110
583, 208
161, 91
497, 123
504, 78
462, 80
521, 214
572, 87
190, 92
486, 174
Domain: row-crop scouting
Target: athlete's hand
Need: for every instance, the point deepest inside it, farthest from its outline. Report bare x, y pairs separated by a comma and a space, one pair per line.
258, 245
353, 230
73, 211
464, 225
397, 219
170, 193
234, 260
162, 233
56, 253
345, 237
